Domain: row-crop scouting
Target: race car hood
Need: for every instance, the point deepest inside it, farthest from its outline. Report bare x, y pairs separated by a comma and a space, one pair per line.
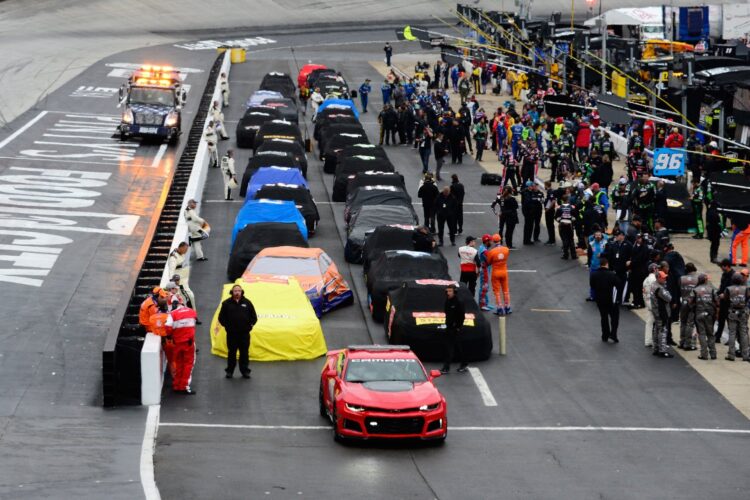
153, 109
391, 395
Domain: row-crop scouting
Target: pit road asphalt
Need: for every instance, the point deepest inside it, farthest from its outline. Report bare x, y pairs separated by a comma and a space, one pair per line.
556, 379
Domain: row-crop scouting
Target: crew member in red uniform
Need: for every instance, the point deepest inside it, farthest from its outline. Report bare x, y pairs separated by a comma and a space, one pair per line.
181, 330
674, 140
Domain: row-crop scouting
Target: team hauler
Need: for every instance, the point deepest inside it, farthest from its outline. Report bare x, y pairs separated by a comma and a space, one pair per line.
152, 101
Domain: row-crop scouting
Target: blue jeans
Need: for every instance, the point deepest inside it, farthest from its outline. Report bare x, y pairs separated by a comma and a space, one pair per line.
424, 153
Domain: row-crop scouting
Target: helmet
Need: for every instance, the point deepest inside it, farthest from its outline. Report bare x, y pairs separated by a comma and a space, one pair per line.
496, 238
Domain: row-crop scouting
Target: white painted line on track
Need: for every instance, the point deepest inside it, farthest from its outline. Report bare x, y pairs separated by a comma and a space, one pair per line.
473, 213
23, 129
550, 428
159, 155
550, 310
150, 490
58, 160
484, 389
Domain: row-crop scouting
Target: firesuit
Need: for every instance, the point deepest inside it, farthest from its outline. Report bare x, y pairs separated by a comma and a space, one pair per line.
181, 327
737, 317
687, 317
515, 139
660, 300
704, 300
497, 257
565, 216
484, 272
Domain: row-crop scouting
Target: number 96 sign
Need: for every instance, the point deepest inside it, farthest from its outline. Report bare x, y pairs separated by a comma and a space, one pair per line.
669, 161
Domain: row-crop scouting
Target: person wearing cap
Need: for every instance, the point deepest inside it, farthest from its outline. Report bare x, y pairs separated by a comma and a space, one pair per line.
737, 295
532, 206
198, 229
675, 139
648, 283
459, 192
484, 271
209, 135
661, 308
469, 258
705, 301
175, 298
619, 252
550, 209
364, 94
565, 215
687, 317
607, 288
238, 317
639, 264
455, 315
180, 327
596, 244
224, 85
229, 176
726, 280
149, 306
497, 258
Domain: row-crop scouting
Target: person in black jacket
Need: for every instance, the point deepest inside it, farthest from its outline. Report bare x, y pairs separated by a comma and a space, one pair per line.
454, 322
619, 252
441, 151
639, 260
532, 206
429, 192
508, 217
726, 280
605, 285
458, 192
422, 240
446, 209
238, 317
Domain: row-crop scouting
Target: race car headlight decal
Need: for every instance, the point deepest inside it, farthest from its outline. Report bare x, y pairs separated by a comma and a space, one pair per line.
127, 116
354, 407
673, 203
171, 120
429, 407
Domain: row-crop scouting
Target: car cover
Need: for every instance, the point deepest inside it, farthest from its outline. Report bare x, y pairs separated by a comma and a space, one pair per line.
376, 195
254, 211
393, 267
286, 106
387, 237
287, 327
305, 71
301, 197
338, 118
336, 144
369, 218
374, 178
267, 159
279, 129
339, 104
255, 237
311, 267
364, 149
274, 175
289, 146
261, 95
250, 123
315, 74
355, 166
415, 317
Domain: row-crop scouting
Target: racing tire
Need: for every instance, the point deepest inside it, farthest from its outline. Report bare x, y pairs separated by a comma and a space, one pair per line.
336, 436
321, 404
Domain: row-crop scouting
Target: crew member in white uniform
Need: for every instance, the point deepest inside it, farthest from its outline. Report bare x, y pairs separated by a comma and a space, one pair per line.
316, 99
224, 84
177, 266
228, 173
209, 135
197, 229
218, 118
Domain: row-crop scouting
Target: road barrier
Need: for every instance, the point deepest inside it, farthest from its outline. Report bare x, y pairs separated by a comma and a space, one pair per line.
132, 374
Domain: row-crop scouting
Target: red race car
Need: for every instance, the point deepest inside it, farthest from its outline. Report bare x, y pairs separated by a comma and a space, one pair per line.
378, 392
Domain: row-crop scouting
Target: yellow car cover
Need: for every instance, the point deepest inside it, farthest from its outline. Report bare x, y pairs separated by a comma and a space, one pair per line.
287, 327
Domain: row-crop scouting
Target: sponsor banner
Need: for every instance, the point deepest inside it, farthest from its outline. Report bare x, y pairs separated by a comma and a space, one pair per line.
438, 318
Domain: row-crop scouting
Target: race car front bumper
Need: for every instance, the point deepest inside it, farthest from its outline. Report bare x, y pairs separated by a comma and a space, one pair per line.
387, 424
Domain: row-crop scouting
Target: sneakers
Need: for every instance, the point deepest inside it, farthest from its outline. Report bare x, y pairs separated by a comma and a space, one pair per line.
445, 370
665, 355
463, 368
508, 310
186, 392
500, 311
486, 308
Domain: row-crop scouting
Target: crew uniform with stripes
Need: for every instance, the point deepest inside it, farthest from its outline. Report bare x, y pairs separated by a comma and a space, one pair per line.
181, 328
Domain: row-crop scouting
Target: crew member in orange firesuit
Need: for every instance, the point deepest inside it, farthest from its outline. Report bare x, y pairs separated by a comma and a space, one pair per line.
497, 257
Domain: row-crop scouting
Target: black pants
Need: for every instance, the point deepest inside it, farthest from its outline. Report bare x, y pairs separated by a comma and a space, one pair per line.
390, 136
429, 217
480, 149
470, 278
636, 286
553, 162
460, 217
452, 345
531, 227
509, 227
451, 221
568, 244
610, 316
457, 152
549, 221
723, 313
237, 342
715, 238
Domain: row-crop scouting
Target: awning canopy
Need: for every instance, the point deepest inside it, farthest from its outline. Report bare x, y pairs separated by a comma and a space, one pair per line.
628, 17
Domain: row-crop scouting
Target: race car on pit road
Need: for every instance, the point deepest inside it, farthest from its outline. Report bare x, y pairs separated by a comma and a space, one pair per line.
381, 392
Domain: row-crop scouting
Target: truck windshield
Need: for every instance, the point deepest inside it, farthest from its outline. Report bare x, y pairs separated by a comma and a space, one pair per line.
160, 97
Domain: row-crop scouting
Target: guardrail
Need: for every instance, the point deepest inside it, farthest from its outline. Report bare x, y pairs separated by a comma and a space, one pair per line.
123, 355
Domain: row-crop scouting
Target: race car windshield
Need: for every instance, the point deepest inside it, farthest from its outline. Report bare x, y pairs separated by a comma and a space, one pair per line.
379, 370
160, 97
286, 266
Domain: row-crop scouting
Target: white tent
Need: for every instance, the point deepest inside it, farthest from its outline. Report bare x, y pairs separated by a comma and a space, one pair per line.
629, 17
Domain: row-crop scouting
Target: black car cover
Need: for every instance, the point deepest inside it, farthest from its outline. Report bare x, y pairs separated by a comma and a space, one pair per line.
353, 165
337, 116
300, 195
393, 267
375, 195
287, 107
288, 146
374, 178
333, 129
278, 128
383, 238
336, 144
255, 237
368, 219
415, 317
251, 122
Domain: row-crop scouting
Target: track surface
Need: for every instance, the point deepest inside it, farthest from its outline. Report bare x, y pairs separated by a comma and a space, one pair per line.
556, 374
